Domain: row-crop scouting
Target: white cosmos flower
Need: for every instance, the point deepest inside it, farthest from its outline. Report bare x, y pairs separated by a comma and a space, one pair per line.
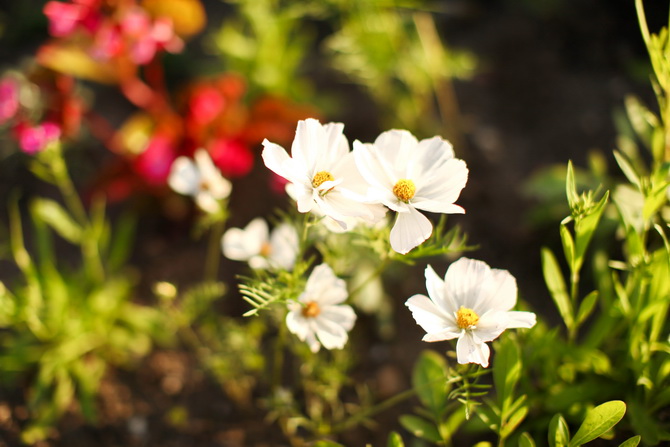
473, 304
318, 317
260, 248
200, 179
322, 173
408, 175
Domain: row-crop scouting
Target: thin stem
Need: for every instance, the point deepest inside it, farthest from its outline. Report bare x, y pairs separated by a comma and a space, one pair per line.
67, 189
382, 406
213, 250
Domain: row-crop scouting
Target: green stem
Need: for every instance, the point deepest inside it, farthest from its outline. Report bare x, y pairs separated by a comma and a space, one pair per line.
382, 406
67, 189
213, 251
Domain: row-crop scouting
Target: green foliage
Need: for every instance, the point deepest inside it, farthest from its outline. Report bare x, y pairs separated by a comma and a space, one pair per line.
63, 324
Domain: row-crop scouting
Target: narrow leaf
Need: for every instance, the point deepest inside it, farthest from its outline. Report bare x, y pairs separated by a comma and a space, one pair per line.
556, 285
631, 442
586, 307
57, 218
420, 427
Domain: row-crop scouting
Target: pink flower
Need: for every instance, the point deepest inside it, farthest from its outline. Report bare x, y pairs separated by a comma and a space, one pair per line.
34, 139
154, 163
232, 157
64, 18
9, 99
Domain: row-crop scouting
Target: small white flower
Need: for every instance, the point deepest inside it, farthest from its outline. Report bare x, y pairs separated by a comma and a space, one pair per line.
473, 303
317, 317
260, 248
322, 173
408, 175
200, 179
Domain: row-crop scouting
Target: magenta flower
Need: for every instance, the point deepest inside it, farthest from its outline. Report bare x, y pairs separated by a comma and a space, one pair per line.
34, 139
9, 99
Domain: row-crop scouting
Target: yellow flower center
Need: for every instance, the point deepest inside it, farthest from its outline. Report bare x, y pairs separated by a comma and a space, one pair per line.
311, 310
466, 318
322, 177
266, 249
404, 189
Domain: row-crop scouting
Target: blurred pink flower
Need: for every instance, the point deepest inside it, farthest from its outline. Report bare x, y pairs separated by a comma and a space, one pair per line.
64, 18
33, 139
9, 99
231, 156
154, 163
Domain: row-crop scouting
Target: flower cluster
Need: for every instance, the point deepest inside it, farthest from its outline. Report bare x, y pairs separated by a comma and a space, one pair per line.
399, 173
40, 108
396, 171
122, 29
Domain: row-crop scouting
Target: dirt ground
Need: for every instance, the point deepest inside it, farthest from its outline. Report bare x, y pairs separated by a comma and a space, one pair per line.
551, 75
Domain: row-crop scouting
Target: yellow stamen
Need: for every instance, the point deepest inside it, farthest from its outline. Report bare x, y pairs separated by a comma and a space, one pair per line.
322, 177
311, 310
466, 318
266, 249
404, 190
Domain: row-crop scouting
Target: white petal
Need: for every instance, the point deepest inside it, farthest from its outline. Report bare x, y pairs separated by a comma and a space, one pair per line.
330, 334
184, 176
446, 334
491, 325
471, 350
410, 230
464, 281
437, 292
342, 315
324, 287
277, 160
431, 318
296, 324
240, 245
502, 290
285, 246
518, 319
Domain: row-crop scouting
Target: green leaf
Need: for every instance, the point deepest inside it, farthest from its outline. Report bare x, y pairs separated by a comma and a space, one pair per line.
506, 372
559, 434
586, 307
57, 218
627, 169
420, 427
631, 442
571, 187
556, 285
526, 440
568, 247
430, 381
395, 440
585, 227
598, 421
513, 422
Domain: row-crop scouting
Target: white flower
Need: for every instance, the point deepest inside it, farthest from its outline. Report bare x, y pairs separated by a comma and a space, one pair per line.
473, 304
317, 317
200, 179
408, 175
260, 248
322, 173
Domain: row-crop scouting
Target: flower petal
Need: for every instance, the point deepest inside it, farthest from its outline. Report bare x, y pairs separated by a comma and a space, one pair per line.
410, 230
430, 317
471, 350
519, 319
464, 281
184, 176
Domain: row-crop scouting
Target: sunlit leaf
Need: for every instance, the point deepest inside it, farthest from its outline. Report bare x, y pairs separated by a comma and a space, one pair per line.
598, 421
